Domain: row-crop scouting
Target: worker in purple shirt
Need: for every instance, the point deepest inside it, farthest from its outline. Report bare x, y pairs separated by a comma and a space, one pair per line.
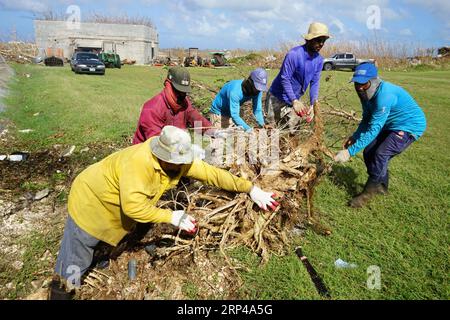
301, 68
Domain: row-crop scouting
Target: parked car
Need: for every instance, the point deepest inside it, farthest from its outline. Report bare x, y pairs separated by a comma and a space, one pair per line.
86, 62
343, 61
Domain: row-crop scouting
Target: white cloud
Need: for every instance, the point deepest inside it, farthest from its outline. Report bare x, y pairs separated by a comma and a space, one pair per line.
244, 34
223, 22
239, 5
203, 28
24, 5
406, 32
340, 28
440, 7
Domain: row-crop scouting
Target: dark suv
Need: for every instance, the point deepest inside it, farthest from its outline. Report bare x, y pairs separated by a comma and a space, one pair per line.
87, 62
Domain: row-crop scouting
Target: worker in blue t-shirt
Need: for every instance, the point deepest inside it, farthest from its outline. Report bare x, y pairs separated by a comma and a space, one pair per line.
226, 106
392, 120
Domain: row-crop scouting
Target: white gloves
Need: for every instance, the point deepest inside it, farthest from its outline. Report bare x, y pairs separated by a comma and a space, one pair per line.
342, 156
310, 114
198, 152
299, 108
182, 220
263, 199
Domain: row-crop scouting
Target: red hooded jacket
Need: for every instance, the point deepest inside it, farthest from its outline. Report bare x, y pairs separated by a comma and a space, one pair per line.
156, 113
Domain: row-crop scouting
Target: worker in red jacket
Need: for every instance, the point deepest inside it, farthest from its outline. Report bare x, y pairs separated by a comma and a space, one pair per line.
170, 107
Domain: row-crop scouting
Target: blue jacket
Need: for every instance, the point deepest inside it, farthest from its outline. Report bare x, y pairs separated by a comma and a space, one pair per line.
392, 108
298, 71
229, 100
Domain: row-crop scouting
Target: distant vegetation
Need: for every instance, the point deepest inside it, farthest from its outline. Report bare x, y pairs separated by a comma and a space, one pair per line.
52, 15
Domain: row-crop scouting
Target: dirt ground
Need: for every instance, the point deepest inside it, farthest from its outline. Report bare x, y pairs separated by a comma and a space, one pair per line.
21, 215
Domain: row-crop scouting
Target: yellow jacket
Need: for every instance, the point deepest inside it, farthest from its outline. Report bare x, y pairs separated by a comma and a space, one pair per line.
108, 197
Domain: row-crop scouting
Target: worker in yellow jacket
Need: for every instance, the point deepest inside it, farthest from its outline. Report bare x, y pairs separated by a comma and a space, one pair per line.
110, 196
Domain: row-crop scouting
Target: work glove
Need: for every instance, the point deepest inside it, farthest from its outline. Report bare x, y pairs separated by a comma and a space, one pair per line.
183, 221
342, 156
299, 108
198, 152
310, 115
263, 199
348, 142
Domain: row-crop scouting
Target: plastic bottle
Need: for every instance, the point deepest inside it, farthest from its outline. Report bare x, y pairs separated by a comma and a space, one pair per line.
132, 266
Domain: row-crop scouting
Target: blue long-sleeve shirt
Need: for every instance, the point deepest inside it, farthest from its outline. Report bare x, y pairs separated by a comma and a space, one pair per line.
229, 100
392, 108
298, 71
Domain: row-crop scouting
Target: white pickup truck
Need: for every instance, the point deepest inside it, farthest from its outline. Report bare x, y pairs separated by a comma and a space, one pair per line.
345, 60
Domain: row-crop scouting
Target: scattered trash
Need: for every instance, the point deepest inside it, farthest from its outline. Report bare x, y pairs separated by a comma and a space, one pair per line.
68, 152
341, 264
18, 265
10, 286
15, 157
26, 130
298, 231
84, 150
42, 194
132, 264
27, 75
36, 114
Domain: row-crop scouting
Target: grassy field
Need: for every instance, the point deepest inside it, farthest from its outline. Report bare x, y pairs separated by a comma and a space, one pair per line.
405, 233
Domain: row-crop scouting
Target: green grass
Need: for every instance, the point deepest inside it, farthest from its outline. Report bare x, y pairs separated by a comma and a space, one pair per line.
33, 267
404, 233
66, 108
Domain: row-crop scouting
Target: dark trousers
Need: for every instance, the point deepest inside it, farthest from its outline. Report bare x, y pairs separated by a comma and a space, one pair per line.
378, 153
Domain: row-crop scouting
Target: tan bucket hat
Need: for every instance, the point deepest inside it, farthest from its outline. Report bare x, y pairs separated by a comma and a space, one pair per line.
316, 30
173, 146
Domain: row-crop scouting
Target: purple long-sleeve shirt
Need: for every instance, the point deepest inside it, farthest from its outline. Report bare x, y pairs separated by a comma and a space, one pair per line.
299, 70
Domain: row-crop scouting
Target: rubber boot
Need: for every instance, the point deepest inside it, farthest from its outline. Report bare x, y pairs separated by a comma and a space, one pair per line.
382, 189
370, 190
58, 290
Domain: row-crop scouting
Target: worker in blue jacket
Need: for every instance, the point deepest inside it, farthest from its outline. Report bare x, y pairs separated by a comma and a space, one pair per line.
392, 120
226, 106
301, 69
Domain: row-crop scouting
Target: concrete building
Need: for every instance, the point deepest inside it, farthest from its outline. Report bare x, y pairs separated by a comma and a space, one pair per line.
133, 42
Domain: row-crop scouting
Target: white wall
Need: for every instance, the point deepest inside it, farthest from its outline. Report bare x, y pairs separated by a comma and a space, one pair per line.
133, 42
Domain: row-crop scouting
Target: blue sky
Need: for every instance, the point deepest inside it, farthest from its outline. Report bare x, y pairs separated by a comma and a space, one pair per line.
254, 24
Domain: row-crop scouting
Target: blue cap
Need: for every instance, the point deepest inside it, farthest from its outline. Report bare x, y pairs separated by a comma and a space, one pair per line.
364, 72
259, 77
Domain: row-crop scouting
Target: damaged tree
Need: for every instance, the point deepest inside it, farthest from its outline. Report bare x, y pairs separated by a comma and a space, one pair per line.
226, 221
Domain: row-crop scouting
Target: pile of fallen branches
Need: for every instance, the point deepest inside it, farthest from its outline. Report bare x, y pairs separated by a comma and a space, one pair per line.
20, 52
168, 258
229, 220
